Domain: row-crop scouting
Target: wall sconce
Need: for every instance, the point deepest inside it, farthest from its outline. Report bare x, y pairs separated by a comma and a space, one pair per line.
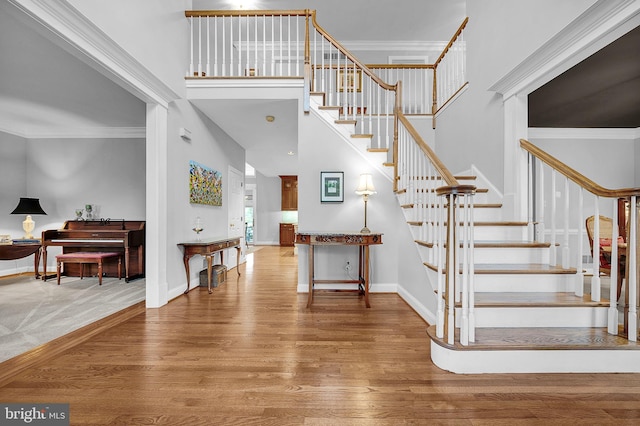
365, 188
28, 206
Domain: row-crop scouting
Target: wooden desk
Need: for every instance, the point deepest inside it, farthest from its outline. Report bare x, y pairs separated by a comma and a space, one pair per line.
208, 248
20, 250
363, 241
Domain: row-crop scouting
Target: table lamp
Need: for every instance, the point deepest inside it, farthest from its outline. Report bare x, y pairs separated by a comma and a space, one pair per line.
365, 188
28, 206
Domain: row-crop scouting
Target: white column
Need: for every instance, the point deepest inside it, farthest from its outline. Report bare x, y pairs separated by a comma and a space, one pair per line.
156, 207
515, 159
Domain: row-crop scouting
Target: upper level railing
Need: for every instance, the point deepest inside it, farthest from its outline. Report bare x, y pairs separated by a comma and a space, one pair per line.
444, 209
280, 43
552, 182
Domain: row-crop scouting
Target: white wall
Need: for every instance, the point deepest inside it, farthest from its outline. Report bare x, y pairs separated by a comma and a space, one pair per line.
67, 174
155, 32
499, 36
320, 149
213, 148
267, 214
13, 184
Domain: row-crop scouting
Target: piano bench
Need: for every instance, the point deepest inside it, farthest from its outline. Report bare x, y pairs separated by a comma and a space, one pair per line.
88, 257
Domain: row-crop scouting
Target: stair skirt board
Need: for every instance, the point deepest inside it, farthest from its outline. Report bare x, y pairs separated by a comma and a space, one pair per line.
535, 361
539, 316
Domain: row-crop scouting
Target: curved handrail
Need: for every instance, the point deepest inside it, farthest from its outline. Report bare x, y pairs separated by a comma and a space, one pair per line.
576, 176
349, 55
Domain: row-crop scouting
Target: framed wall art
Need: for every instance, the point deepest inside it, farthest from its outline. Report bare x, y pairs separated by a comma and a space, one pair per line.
205, 185
331, 187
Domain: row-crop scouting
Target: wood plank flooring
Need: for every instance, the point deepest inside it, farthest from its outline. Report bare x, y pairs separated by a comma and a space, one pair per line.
251, 353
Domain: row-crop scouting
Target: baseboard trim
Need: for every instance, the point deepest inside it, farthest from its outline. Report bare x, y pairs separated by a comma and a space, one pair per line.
39, 355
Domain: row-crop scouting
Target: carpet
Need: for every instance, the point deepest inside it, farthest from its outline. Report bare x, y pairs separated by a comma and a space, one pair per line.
33, 312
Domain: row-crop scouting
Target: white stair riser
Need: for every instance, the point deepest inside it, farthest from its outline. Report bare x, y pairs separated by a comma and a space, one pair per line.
504, 255
511, 283
481, 233
501, 317
510, 255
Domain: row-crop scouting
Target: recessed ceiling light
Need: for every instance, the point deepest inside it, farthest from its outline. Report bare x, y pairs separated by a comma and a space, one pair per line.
291, 153
270, 118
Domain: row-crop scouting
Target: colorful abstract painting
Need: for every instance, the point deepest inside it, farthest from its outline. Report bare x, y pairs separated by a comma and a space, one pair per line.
205, 185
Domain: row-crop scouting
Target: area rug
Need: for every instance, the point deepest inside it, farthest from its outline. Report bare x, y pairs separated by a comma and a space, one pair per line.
33, 312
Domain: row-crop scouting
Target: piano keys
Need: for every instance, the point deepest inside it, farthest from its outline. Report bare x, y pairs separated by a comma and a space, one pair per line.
123, 236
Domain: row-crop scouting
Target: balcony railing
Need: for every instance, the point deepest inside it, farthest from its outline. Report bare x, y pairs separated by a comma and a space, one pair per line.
290, 43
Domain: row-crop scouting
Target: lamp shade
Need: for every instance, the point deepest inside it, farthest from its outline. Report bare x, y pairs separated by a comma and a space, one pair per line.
365, 187
28, 206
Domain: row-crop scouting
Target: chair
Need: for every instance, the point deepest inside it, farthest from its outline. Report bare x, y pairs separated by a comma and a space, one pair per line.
604, 240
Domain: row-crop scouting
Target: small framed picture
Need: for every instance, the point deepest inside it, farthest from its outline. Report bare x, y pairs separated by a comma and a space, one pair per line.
331, 187
349, 78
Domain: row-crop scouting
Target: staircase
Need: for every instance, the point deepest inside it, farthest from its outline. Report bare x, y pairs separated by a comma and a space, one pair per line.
527, 315
504, 304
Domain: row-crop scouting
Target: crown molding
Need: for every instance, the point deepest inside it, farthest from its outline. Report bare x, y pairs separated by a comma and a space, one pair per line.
78, 133
83, 39
602, 23
583, 133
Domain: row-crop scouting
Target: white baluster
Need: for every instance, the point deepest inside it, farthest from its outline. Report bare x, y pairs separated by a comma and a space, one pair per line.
438, 254
565, 243
472, 284
632, 267
554, 212
612, 323
579, 283
208, 68
191, 46
464, 326
595, 280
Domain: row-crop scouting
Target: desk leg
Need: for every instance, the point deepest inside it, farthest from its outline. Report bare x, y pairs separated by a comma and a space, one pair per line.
126, 264
44, 265
366, 276
185, 259
238, 259
36, 262
311, 262
209, 268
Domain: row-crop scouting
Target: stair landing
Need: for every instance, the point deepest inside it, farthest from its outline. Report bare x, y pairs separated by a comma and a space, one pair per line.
538, 350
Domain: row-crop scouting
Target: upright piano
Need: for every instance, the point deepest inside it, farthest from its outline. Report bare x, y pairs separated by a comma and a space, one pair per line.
106, 235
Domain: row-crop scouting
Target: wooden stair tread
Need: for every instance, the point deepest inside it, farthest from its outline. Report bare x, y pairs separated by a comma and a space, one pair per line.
345, 121
329, 108
385, 150
528, 338
504, 244
535, 299
515, 268
362, 136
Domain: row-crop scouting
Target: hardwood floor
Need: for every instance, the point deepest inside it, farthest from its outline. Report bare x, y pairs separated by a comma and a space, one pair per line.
252, 353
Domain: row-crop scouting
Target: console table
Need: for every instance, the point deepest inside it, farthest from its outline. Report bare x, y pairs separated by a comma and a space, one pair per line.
208, 248
362, 241
19, 250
